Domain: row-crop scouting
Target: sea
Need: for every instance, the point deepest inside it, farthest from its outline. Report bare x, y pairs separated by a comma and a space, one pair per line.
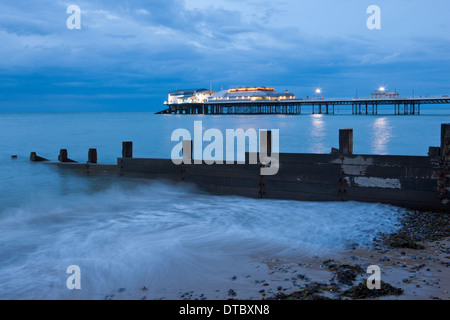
125, 234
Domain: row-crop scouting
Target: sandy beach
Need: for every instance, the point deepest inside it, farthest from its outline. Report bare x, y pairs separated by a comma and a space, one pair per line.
414, 264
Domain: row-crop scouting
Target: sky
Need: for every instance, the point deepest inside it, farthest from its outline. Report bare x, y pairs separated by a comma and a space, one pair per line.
128, 54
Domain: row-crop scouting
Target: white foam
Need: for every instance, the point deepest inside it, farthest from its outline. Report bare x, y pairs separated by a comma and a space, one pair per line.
166, 236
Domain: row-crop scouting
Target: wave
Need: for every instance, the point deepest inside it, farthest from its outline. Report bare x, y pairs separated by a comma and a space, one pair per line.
164, 235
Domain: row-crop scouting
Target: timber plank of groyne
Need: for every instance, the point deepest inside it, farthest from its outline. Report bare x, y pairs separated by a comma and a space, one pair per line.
89, 168
167, 166
223, 181
352, 191
330, 169
298, 186
407, 181
410, 196
360, 159
174, 177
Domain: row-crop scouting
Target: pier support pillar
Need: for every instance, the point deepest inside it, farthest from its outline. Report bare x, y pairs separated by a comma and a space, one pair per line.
346, 141
127, 149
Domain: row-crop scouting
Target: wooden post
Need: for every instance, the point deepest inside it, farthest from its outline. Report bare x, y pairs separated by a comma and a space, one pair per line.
445, 141
434, 151
63, 156
127, 149
187, 151
346, 141
92, 156
334, 150
265, 141
36, 158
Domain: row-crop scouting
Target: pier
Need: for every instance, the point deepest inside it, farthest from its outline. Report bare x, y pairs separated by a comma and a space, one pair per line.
359, 106
413, 182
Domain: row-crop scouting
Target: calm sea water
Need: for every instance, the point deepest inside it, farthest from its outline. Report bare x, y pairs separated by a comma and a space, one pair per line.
170, 237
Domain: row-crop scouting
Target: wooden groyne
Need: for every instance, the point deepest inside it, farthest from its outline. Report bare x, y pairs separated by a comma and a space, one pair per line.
414, 182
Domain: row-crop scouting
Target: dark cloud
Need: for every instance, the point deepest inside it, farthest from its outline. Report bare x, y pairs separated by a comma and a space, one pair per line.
143, 49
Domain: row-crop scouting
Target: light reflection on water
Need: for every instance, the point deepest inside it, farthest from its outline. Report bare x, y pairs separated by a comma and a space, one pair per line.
381, 135
318, 134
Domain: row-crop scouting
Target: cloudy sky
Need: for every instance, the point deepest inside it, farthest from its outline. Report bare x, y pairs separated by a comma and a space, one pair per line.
129, 54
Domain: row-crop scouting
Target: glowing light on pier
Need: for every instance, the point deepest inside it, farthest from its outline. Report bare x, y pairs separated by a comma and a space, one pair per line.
250, 89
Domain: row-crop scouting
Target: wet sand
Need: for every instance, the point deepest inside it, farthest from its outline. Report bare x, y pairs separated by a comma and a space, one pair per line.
421, 274
409, 274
